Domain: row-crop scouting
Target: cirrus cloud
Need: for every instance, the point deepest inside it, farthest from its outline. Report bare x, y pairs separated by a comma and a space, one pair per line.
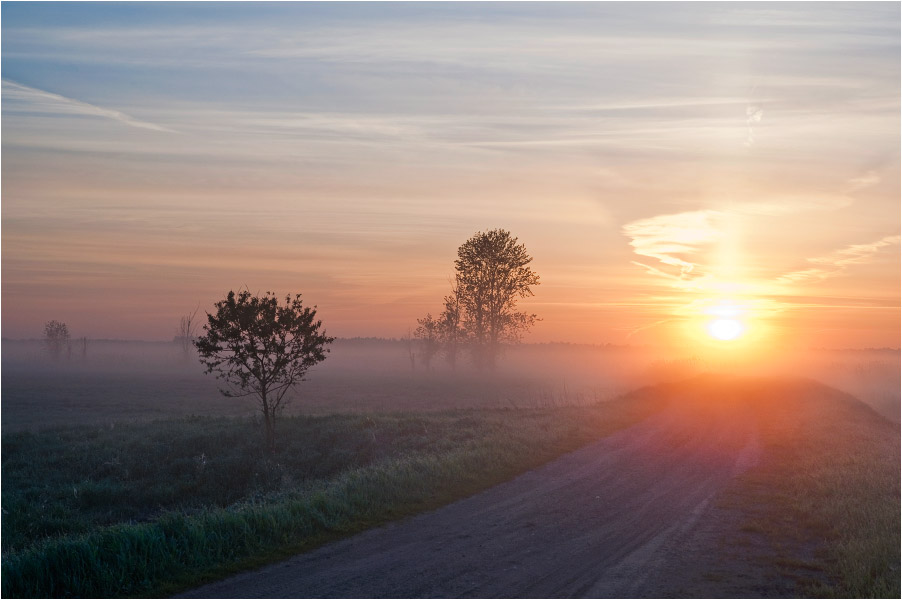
673, 239
835, 263
27, 99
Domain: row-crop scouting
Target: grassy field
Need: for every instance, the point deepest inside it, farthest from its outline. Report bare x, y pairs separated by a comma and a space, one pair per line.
147, 508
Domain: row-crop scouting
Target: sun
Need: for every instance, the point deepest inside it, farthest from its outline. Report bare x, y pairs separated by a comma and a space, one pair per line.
725, 329
724, 324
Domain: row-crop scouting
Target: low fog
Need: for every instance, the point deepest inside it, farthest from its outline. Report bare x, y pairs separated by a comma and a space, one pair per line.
103, 382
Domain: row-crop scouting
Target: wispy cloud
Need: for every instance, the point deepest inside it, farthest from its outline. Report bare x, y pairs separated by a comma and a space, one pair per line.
835, 263
672, 239
39, 101
864, 180
753, 115
857, 253
778, 205
653, 271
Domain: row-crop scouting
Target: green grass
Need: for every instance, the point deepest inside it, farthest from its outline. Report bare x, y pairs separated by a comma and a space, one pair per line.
147, 509
827, 486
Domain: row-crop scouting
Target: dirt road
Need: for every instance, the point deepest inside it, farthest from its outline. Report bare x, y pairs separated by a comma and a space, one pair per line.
599, 522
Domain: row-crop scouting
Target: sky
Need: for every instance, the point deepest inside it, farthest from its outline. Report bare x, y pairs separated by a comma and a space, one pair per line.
664, 163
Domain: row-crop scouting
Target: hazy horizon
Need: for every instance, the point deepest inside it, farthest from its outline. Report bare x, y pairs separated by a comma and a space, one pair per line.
404, 339
658, 161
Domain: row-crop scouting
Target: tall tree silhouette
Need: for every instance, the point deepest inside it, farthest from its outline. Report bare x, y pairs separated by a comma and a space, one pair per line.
493, 273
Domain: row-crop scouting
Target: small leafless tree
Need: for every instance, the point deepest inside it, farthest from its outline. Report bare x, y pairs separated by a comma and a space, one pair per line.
186, 332
56, 337
428, 332
451, 333
410, 353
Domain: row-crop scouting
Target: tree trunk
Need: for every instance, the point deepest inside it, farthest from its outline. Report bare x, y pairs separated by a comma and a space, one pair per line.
491, 352
271, 433
269, 418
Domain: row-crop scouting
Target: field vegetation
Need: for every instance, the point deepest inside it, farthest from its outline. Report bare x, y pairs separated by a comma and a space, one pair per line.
146, 508
827, 488
835, 470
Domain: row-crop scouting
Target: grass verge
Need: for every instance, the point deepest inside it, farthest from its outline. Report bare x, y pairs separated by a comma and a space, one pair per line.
148, 509
826, 493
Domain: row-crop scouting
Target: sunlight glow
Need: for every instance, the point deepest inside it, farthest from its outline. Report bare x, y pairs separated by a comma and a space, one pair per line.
725, 329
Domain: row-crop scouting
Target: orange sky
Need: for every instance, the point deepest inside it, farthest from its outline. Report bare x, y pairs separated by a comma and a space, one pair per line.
155, 157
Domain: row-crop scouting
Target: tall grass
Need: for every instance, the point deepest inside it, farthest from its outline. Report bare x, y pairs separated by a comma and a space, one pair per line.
147, 509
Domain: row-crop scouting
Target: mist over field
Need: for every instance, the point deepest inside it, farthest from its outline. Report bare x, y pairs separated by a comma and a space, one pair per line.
130, 380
